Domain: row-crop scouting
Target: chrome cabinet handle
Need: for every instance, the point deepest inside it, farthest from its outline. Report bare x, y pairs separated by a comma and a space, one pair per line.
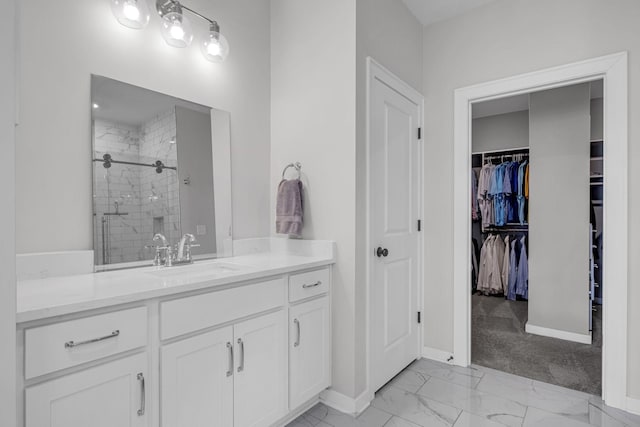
297, 323
241, 365
230, 370
71, 344
312, 285
143, 395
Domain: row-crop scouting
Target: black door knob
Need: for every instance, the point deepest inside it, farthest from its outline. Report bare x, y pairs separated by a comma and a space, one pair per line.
382, 252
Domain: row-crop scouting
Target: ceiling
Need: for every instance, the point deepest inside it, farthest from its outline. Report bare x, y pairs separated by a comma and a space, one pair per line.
123, 103
430, 11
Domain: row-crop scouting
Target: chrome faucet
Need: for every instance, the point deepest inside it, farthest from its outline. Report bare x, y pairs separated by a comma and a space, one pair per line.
184, 249
181, 255
167, 260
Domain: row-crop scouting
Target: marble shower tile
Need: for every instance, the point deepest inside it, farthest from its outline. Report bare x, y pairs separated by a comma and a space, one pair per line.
495, 408
415, 408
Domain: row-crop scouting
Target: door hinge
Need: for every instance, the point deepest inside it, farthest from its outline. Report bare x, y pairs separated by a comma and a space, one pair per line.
419, 133
419, 317
419, 225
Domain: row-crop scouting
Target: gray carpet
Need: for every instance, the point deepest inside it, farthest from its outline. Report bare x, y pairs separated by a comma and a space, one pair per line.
499, 341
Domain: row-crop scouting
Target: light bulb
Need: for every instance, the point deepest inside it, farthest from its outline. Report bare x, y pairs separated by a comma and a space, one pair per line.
214, 49
131, 13
176, 30
215, 46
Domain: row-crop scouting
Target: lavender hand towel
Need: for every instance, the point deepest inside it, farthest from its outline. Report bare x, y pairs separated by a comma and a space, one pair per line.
289, 213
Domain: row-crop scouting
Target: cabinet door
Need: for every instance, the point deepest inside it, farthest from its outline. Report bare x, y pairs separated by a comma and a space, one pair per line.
260, 392
197, 381
309, 350
109, 395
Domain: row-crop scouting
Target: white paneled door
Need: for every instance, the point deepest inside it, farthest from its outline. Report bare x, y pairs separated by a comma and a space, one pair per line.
395, 208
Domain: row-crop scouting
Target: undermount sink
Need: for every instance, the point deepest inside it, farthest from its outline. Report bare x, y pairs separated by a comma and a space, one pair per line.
204, 269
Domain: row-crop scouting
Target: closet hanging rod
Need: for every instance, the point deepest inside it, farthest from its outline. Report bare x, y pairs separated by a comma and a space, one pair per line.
297, 166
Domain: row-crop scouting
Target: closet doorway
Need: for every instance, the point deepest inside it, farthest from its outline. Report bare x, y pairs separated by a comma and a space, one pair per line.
536, 220
613, 69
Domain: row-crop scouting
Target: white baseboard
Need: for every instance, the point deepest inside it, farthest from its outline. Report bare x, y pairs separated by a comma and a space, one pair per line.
633, 405
437, 355
346, 404
555, 333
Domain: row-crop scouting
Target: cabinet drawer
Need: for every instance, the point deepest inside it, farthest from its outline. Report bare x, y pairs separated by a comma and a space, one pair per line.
311, 283
185, 315
63, 345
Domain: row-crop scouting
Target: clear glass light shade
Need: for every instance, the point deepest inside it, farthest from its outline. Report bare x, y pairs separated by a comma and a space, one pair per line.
176, 30
131, 13
215, 47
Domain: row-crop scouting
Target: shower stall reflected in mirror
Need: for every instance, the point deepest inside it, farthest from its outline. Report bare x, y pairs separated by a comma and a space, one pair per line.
135, 187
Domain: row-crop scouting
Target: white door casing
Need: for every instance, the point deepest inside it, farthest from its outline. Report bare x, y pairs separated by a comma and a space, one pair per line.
614, 70
394, 174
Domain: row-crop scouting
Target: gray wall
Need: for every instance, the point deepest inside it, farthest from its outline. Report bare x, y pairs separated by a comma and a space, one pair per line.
318, 117
559, 209
7, 219
195, 161
55, 128
597, 119
498, 40
500, 132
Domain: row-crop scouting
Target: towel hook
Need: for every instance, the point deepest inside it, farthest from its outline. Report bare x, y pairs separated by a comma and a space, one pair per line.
297, 166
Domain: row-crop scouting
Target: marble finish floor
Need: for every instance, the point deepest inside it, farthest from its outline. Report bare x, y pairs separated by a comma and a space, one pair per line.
430, 393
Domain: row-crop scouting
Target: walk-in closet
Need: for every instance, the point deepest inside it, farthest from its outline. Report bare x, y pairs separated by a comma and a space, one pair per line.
536, 219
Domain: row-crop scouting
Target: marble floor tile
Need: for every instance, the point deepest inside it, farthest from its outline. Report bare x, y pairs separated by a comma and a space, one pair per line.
470, 420
602, 413
415, 408
538, 418
409, 380
487, 405
400, 422
371, 417
528, 393
468, 377
430, 393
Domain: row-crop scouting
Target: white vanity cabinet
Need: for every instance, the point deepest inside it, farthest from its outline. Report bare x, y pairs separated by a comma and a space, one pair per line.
309, 350
234, 376
109, 395
247, 353
309, 336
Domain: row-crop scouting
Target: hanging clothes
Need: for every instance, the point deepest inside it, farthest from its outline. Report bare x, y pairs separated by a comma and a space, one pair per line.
523, 187
491, 263
475, 214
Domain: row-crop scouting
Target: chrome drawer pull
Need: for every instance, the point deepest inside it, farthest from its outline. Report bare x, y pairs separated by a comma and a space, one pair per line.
143, 395
241, 365
230, 370
71, 344
297, 323
312, 285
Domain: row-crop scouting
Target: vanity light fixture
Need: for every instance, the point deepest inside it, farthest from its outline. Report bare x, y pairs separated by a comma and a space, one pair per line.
175, 27
131, 13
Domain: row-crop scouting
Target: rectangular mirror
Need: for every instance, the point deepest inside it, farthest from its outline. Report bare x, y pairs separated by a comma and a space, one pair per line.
160, 165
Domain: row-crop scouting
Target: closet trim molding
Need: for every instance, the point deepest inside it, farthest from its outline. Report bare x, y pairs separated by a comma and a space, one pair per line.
614, 70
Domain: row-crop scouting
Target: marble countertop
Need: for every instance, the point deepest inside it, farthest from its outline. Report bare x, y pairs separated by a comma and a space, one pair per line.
56, 296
